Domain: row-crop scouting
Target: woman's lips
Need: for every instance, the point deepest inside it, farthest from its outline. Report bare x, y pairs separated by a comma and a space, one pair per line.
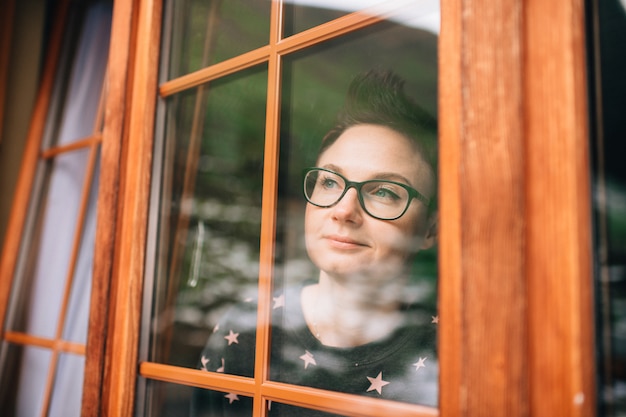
343, 242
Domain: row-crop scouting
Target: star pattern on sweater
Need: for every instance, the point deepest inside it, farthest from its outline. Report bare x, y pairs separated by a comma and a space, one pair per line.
420, 364
279, 301
308, 359
232, 338
204, 360
435, 319
231, 397
377, 383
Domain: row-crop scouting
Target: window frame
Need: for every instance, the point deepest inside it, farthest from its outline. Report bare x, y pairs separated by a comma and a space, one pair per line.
524, 69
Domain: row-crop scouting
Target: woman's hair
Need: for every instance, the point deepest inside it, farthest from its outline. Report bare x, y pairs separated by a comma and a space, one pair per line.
378, 98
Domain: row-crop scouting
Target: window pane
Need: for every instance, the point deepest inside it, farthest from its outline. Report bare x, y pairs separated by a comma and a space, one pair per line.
77, 315
23, 379
205, 32
87, 76
286, 410
209, 220
41, 291
67, 391
358, 294
610, 201
301, 15
169, 400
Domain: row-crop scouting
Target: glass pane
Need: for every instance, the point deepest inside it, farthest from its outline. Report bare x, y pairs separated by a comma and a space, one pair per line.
209, 220
87, 76
77, 315
68, 386
286, 410
23, 379
205, 32
301, 15
358, 294
610, 201
171, 400
41, 291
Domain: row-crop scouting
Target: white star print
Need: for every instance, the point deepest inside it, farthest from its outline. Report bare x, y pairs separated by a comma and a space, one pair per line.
204, 360
221, 368
231, 397
377, 383
308, 359
420, 364
435, 319
279, 301
232, 338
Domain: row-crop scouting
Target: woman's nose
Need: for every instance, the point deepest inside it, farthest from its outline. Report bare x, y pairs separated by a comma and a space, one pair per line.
348, 208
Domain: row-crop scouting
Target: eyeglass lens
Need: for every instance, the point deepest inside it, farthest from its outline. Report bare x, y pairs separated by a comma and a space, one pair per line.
382, 199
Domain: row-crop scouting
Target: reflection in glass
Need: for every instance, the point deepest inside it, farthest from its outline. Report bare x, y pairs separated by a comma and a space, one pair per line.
205, 32
355, 316
609, 30
209, 214
286, 410
301, 15
166, 399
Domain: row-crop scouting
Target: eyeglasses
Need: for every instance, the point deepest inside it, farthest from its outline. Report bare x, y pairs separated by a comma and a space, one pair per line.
381, 199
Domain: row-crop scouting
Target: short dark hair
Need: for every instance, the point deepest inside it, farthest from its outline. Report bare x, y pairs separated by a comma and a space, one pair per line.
378, 98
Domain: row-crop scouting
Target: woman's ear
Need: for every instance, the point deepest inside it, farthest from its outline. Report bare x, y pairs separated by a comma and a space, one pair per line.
432, 230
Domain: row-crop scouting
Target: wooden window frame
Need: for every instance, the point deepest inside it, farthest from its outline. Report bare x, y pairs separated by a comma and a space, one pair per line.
516, 334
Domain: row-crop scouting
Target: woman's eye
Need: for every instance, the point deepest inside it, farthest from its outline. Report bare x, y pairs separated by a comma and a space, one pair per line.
329, 183
385, 193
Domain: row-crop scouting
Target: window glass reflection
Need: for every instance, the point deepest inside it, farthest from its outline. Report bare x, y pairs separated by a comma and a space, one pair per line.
166, 399
301, 15
610, 200
205, 32
209, 215
358, 293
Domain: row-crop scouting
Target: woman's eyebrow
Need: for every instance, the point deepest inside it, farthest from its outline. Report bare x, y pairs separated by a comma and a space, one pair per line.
391, 176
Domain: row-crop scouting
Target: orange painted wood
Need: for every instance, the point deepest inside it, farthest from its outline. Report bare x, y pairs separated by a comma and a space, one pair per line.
450, 344
268, 215
79, 144
483, 347
516, 321
558, 200
329, 401
116, 97
121, 369
58, 345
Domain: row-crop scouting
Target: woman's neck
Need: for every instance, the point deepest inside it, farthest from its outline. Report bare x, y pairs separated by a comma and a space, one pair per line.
342, 315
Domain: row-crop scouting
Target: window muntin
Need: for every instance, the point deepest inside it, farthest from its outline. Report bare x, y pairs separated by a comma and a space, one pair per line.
278, 76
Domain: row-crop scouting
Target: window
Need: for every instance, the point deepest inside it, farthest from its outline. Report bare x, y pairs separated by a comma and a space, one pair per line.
45, 330
227, 206
514, 286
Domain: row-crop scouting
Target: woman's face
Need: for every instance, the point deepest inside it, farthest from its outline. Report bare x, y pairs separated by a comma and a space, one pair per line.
345, 242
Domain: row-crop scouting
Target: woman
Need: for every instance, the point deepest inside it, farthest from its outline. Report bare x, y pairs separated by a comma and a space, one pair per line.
370, 209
